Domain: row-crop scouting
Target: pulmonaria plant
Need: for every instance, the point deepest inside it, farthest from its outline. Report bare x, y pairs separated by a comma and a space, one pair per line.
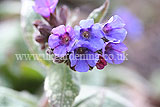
78, 47
84, 46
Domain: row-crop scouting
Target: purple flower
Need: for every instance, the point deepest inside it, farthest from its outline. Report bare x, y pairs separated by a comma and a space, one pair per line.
83, 57
114, 29
114, 53
61, 40
45, 7
88, 31
133, 24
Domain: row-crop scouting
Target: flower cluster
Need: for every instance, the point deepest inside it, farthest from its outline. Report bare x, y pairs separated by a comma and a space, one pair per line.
86, 45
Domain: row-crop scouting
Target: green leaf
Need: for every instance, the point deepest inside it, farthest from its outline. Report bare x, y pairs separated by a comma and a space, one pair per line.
61, 86
100, 97
28, 16
11, 98
84, 100
99, 13
27, 72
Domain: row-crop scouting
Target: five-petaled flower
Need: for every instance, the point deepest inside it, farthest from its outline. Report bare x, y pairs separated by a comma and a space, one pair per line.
45, 7
114, 30
61, 40
114, 53
88, 31
83, 57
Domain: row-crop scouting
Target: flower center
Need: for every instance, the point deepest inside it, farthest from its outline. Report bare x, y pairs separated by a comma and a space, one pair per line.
81, 50
82, 53
65, 39
86, 34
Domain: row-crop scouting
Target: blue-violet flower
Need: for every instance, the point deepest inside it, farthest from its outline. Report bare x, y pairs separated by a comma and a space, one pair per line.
61, 40
114, 53
88, 31
114, 30
83, 57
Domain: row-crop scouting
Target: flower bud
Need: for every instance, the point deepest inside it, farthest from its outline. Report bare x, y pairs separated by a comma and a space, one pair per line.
40, 39
43, 28
63, 14
101, 63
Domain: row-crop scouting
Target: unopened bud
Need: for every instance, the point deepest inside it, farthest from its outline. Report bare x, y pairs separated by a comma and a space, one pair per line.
64, 14
101, 63
40, 39
44, 30
38, 23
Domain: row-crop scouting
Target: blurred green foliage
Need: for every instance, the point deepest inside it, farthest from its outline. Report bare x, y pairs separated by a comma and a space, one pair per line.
19, 75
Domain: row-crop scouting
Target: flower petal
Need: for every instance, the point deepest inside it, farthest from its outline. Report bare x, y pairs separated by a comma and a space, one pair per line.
60, 51
42, 11
70, 46
115, 57
70, 30
81, 66
53, 41
96, 43
73, 59
77, 31
60, 30
97, 30
115, 22
45, 7
118, 46
117, 35
86, 23
92, 58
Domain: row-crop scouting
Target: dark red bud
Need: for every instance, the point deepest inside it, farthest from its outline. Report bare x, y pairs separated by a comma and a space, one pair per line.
101, 63
99, 66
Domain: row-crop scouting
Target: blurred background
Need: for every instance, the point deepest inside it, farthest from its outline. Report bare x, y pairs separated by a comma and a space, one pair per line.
138, 78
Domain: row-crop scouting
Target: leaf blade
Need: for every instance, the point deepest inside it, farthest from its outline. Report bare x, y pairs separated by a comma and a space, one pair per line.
61, 86
99, 13
11, 98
